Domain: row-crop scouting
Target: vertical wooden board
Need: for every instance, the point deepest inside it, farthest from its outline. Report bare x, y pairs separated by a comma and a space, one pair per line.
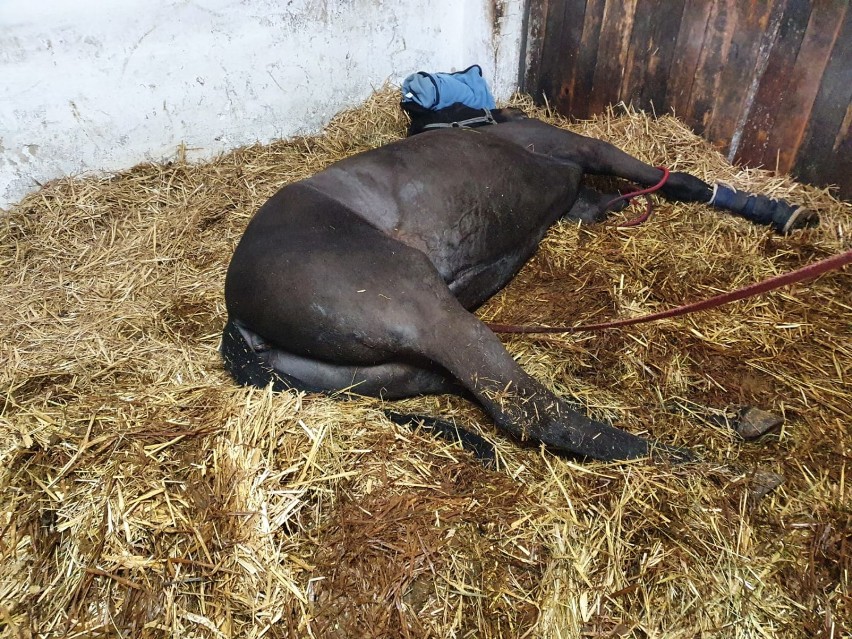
754, 146
613, 46
804, 80
639, 52
652, 45
687, 52
535, 45
558, 62
568, 60
825, 156
580, 89
543, 40
635, 63
717, 45
738, 70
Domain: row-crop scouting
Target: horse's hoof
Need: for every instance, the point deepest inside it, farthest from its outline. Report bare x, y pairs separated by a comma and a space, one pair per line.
753, 422
761, 483
787, 219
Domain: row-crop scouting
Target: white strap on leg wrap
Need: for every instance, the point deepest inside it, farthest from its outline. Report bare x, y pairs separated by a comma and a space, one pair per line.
713, 197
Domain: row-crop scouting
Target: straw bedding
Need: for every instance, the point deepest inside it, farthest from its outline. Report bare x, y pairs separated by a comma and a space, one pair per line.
143, 494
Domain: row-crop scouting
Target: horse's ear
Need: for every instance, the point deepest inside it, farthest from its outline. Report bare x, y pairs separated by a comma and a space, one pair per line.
509, 114
418, 117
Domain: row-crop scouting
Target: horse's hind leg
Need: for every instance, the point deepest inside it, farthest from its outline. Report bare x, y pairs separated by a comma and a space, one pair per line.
591, 207
375, 300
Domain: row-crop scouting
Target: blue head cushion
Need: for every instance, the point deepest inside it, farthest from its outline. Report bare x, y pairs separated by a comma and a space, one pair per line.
437, 91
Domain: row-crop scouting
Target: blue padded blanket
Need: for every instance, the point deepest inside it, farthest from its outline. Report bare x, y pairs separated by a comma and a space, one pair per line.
439, 90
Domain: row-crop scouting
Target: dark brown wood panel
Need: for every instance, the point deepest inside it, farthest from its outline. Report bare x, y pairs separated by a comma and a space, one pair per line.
587, 58
533, 45
710, 63
826, 152
803, 84
652, 47
572, 19
690, 42
750, 28
772, 85
767, 81
613, 45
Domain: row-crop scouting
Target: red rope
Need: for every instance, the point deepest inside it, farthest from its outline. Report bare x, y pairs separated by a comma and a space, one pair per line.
804, 273
646, 192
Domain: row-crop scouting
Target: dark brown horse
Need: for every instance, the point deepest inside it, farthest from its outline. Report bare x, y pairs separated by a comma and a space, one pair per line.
363, 277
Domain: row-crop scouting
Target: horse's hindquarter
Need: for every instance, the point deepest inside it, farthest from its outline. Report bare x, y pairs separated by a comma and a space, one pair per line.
471, 206
473, 203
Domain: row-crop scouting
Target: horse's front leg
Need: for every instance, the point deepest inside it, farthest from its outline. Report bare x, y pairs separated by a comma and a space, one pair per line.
602, 158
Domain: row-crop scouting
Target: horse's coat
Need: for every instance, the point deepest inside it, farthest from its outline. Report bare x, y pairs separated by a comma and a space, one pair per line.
363, 276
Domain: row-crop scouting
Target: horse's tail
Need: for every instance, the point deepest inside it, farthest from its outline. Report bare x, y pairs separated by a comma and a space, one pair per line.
480, 447
245, 366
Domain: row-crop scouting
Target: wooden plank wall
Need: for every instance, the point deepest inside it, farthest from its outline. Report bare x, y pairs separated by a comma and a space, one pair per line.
767, 81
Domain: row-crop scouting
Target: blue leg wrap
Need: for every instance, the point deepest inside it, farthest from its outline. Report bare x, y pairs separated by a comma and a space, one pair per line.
760, 209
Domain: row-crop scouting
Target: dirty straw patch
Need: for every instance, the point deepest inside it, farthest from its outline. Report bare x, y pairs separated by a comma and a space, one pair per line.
144, 495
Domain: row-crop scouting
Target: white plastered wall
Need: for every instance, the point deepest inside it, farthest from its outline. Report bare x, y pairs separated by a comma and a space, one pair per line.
100, 85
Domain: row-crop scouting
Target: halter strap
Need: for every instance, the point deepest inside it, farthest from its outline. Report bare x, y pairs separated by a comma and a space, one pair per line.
488, 118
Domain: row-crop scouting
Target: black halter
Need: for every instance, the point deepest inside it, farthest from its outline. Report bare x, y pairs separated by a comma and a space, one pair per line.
481, 120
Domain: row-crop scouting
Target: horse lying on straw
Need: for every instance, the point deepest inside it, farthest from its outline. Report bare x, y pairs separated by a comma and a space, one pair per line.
363, 277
